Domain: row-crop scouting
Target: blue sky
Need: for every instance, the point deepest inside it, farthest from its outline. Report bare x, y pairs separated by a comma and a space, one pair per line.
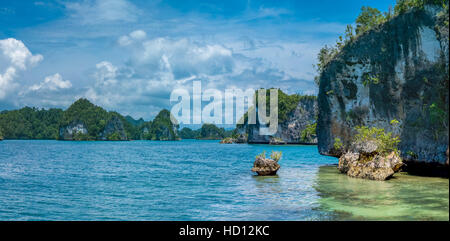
128, 55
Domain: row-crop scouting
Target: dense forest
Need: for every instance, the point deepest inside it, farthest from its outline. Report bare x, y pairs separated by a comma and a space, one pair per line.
34, 123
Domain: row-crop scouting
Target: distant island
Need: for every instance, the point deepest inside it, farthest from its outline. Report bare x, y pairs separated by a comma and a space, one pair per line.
206, 132
83, 121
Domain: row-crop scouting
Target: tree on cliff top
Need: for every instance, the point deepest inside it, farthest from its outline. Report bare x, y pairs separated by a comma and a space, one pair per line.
92, 116
162, 127
367, 20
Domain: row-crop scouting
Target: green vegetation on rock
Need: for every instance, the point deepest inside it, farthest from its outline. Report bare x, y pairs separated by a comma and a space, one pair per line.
162, 128
308, 132
368, 19
386, 141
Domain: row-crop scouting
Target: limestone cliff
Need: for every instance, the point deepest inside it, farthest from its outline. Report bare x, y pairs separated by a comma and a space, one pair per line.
74, 131
297, 128
398, 70
114, 130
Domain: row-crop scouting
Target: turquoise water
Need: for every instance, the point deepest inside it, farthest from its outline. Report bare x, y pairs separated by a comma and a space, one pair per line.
184, 180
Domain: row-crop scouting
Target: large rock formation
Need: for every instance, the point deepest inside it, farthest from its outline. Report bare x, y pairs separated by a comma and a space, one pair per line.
292, 130
162, 128
398, 70
364, 161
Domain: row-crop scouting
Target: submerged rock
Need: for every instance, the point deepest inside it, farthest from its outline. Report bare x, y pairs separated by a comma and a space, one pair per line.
265, 166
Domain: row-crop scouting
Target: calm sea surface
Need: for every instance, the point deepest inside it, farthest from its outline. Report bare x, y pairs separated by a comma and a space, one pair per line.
198, 180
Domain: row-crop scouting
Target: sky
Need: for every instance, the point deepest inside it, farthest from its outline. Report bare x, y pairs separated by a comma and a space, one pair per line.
128, 56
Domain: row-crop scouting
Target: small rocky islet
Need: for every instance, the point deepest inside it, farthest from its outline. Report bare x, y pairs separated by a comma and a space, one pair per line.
267, 166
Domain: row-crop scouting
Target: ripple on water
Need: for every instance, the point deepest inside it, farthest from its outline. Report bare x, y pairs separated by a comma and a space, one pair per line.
197, 180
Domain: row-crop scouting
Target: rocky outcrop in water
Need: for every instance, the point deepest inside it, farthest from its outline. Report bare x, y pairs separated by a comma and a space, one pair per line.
240, 139
265, 166
294, 129
398, 70
363, 161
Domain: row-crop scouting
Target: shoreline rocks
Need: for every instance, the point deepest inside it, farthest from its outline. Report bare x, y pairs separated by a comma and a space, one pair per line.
363, 161
241, 139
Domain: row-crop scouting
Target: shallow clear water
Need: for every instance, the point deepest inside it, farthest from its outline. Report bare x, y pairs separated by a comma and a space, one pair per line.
197, 180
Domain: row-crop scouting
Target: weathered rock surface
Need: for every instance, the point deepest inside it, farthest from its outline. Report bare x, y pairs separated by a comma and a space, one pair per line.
377, 167
265, 167
363, 161
290, 130
398, 70
114, 130
71, 131
242, 138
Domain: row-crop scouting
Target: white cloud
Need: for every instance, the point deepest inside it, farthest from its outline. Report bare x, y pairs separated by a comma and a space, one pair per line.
14, 56
137, 35
52, 82
102, 11
106, 74
182, 57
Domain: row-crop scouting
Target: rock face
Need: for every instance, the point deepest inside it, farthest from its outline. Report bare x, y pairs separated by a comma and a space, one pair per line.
290, 130
265, 167
72, 131
77, 130
363, 161
398, 70
162, 128
114, 130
